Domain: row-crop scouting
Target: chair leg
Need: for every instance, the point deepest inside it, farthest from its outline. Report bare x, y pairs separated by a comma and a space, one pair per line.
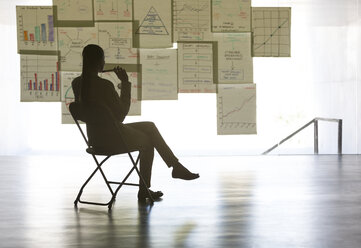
90, 177
113, 193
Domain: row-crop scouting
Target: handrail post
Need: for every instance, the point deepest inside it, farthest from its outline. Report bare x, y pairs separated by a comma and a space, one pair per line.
339, 137
315, 148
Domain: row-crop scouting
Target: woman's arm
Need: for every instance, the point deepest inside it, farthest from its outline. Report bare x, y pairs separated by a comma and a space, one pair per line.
125, 91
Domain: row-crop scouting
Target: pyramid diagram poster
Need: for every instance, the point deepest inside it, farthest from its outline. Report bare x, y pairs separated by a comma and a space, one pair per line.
152, 24
153, 19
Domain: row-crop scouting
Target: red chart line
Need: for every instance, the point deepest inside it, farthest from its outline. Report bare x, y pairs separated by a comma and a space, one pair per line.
239, 108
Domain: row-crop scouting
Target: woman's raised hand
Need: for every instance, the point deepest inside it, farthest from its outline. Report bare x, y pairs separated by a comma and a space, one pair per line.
121, 74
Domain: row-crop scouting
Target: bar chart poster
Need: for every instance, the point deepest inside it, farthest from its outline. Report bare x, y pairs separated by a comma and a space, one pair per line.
35, 29
40, 79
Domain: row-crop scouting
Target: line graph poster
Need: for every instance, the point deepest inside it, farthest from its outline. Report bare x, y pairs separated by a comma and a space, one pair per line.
271, 32
154, 18
116, 38
159, 74
236, 109
231, 16
192, 20
195, 67
71, 44
113, 10
71, 12
39, 78
235, 62
135, 105
35, 28
67, 95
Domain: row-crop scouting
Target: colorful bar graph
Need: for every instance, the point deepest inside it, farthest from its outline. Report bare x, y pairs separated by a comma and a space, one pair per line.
51, 28
36, 30
40, 78
43, 32
44, 85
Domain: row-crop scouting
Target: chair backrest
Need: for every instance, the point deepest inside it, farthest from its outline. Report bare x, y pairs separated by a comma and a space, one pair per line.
96, 114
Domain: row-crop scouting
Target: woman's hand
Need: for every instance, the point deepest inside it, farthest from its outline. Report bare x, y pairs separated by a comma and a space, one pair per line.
121, 74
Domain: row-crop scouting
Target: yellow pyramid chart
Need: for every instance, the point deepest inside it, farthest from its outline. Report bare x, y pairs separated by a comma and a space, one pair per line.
152, 24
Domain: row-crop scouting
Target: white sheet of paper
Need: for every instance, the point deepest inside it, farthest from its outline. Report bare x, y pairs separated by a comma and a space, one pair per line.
236, 109
67, 95
35, 28
74, 10
192, 20
39, 75
159, 74
231, 16
235, 62
116, 39
71, 44
113, 10
155, 23
271, 28
195, 68
135, 105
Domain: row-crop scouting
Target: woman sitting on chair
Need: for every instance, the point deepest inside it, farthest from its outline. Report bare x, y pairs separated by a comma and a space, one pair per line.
139, 136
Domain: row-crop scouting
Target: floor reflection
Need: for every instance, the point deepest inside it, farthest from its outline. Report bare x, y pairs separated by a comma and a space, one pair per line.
144, 211
238, 202
235, 208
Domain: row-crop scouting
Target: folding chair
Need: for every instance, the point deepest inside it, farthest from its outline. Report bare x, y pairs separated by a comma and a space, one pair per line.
100, 115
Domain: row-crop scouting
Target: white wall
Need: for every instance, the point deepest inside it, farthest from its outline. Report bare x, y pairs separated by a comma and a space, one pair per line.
320, 79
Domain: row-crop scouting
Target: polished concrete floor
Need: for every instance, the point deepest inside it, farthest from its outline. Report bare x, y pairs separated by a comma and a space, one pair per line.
261, 201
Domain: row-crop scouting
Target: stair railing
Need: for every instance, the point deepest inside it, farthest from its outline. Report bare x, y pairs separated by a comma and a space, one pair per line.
315, 140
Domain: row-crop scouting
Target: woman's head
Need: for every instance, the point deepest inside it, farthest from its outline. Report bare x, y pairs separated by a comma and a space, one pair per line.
93, 58
93, 62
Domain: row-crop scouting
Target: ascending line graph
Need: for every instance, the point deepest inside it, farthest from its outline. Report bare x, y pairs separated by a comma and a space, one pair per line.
271, 32
236, 109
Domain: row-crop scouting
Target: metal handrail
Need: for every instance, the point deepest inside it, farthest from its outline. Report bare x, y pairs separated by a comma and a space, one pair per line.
315, 122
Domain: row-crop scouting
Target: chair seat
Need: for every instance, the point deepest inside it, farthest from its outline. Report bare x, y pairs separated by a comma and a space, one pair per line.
93, 151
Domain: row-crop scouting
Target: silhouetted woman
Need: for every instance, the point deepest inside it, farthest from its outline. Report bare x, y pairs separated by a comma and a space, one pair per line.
143, 136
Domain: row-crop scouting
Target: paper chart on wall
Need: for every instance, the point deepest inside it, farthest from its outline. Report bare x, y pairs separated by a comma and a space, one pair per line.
271, 28
74, 10
192, 20
236, 109
159, 74
235, 62
116, 39
35, 29
195, 67
71, 44
231, 16
113, 10
135, 105
154, 23
39, 78
67, 95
